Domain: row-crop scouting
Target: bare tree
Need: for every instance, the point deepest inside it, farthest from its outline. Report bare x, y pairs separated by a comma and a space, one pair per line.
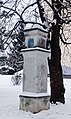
61, 15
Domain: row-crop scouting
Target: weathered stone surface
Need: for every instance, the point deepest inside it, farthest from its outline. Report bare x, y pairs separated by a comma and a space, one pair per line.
34, 104
35, 70
35, 80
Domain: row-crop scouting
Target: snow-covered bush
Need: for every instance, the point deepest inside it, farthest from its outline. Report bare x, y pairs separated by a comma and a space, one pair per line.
17, 78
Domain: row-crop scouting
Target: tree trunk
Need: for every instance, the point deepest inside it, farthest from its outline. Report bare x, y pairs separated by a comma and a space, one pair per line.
56, 78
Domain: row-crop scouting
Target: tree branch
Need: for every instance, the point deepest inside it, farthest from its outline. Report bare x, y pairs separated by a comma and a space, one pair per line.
64, 42
49, 5
13, 11
28, 7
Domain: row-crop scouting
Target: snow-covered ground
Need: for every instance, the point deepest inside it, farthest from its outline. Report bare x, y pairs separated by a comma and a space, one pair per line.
9, 103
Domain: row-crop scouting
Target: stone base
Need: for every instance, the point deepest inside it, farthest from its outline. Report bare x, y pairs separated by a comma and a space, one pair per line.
35, 102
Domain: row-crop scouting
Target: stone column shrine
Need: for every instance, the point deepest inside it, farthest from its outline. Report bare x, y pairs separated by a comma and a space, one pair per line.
35, 96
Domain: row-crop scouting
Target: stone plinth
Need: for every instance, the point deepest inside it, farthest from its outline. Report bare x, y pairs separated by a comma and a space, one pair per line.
34, 102
35, 80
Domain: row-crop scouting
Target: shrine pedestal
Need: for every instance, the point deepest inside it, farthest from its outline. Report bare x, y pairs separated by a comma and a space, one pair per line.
34, 96
34, 102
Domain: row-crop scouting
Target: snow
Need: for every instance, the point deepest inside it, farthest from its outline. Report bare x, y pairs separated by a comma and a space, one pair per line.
30, 94
9, 103
36, 48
